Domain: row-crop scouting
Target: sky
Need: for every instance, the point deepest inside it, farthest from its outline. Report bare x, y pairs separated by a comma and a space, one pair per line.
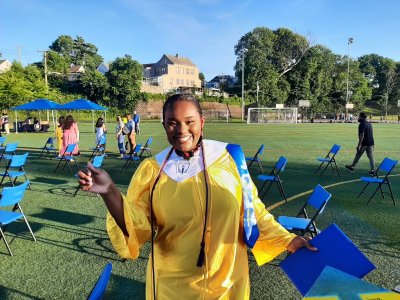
205, 31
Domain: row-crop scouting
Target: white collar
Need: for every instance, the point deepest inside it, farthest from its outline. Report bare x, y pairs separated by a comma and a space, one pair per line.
179, 169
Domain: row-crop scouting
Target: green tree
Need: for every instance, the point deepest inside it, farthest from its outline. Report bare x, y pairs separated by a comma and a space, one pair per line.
95, 86
125, 77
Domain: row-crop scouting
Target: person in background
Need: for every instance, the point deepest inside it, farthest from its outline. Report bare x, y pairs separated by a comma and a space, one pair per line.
131, 135
365, 144
120, 136
70, 134
136, 119
59, 134
100, 130
188, 202
5, 124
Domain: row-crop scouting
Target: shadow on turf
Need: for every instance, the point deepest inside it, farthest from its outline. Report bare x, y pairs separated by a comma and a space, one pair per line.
66, 217
7, 293
125, 288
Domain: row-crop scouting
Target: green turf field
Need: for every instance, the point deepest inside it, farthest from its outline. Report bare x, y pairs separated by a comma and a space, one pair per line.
72, 246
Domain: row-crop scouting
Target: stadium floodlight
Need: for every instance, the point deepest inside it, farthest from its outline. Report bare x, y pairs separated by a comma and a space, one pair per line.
279, 105
349, 105
304, 103
267, 115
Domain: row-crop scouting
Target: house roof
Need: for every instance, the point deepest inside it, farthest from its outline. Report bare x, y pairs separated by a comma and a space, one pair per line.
76, 69
180, 60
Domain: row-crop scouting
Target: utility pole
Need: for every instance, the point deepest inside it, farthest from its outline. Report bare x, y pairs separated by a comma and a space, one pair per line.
349, 42
19, 54
45, 65
258, 88
243, 106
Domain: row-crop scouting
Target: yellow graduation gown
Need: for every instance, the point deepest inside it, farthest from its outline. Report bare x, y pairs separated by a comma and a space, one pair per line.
179, 209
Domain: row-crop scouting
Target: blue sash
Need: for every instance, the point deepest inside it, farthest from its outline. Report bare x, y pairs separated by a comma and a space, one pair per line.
250, 233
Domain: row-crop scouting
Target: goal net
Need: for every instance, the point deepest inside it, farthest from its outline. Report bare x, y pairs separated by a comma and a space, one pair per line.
212, 115
272, 115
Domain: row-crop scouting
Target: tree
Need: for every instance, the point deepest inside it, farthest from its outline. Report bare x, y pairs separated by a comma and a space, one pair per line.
202, 78
125, 77
95, 86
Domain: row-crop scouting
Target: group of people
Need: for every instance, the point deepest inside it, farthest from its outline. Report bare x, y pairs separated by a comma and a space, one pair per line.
127, 129
67, 132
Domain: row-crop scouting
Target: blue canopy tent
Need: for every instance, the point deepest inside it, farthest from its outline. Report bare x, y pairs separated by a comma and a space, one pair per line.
84, 104
38, 104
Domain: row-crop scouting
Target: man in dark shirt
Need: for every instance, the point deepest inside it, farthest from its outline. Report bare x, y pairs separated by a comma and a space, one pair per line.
365, 144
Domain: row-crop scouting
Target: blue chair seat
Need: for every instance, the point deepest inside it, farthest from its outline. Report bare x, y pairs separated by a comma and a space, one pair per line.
252, 158
372, 179
293, 223
7, 156
266, 177
13, 174
69, 158
7, 217
321, 159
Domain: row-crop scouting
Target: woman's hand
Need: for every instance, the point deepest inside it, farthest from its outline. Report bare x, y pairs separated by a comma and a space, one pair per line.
300, 242
95, 180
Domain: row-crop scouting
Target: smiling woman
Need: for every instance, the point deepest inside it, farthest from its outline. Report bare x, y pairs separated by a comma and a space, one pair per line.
196, 203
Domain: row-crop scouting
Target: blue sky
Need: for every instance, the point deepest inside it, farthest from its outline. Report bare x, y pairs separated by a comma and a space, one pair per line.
203, 30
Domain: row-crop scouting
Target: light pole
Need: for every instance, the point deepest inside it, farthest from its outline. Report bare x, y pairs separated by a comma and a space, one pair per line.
243, 51
349, 42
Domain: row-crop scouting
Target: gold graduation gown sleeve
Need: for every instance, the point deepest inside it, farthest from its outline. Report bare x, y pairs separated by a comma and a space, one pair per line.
136, 213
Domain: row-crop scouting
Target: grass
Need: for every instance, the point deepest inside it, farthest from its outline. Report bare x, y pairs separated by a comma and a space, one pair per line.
73, 247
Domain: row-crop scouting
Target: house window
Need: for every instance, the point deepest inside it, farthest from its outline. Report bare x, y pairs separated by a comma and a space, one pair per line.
192, 83
177, 81
178, 70
187, 82
163, 70
183, 70
187, 71
182, 82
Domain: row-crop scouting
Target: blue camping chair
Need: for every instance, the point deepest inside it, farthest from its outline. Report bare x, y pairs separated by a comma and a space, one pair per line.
329, 159
67, 157
134, 157
146, 147
96, 162
387, 165
15, 169
257, 158
304, 223
9, 151
12, 196
274, 177
100, 148
48, 149
101, 284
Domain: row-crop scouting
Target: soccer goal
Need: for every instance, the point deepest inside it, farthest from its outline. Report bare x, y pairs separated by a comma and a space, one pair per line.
212, 115
272, 115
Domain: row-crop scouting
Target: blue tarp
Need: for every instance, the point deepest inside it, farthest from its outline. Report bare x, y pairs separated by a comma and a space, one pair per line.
38, 104
82, 104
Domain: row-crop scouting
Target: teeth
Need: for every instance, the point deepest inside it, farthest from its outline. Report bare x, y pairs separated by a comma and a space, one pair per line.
184, 139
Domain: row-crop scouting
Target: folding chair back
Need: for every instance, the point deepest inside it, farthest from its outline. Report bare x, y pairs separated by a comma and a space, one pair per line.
98, 161
70, 148
12, 196
146, 147
67, 157
319, 198
273, 177
2, 140
329, 159
48, 148
18, 161
101, 284
280, 165
134, 157
100, 147
257, 158
387, 165
11, 148
335, 149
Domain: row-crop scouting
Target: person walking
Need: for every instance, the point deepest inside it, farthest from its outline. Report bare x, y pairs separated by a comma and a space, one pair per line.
136, 119
131, 135
120, 136
59, 134
101, 129
70, 134
365, 144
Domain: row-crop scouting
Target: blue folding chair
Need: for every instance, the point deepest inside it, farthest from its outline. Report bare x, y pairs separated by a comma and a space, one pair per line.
15, 169
9, 151
146, 147
274, 177
304, 222
100, 148
329, 159
133, 157
67, 157
100, 287
12, 196
96, 162
387, 165
256, 158
48, 148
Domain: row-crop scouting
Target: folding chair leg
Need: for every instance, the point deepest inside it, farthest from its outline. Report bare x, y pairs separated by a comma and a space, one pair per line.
58, 165
363, 190
372, 196
76, 191
40, 155
337, 170
323, 171
266, 191
282, 190
260, 167
5, 241
319, 167
391, 194
383, 195
27, 224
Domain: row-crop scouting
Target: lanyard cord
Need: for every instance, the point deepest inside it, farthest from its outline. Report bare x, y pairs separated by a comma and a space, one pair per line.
200, 260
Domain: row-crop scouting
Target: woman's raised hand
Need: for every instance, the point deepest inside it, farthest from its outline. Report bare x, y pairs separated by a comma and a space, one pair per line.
95, 180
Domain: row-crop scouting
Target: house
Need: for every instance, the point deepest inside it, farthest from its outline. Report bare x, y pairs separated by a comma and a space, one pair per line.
5, 65
103, 68
172, 73
75, 72
222, 81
